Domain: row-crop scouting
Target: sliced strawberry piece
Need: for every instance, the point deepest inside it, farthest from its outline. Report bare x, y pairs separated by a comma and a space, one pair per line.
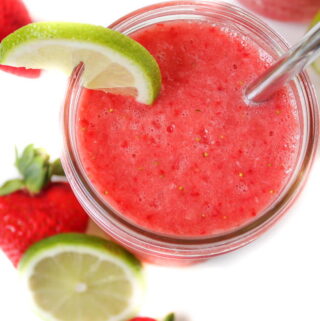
14, 15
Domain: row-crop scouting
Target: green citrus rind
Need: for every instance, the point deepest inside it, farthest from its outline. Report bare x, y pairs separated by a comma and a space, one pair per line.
81, 243
89, 34
80, 240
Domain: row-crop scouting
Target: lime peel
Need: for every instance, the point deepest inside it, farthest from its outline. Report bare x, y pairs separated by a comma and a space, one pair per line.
112, 60
119, 279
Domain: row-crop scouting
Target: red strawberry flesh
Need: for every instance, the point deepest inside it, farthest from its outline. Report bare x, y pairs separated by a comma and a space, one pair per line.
21, 71
14, 15
26, 219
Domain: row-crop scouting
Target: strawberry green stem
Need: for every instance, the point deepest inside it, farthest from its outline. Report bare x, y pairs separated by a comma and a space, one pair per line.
169, 317
35, 169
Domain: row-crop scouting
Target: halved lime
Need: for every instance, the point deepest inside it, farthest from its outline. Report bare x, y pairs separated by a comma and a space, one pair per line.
113, 61
316, 20
76, 277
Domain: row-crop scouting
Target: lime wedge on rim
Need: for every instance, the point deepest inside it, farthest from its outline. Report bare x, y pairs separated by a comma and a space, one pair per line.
315, 20
76, 277
113, 61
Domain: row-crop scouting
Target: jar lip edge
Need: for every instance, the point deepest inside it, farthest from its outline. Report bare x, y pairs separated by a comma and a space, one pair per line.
216, 4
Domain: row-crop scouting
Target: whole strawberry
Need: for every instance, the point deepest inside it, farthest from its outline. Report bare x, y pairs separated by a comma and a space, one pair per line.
169, 317
33, 207
14, 15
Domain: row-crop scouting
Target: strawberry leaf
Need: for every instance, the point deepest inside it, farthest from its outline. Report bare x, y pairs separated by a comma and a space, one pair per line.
169, 317
36, 174
34, 165
25, 159
11, 186
36, 170
56, 168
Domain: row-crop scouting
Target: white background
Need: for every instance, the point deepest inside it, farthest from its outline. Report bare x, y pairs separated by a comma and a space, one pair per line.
275, 278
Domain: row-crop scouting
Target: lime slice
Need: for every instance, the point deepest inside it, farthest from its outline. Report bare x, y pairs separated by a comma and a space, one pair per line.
113, 61
316, 19
76, 277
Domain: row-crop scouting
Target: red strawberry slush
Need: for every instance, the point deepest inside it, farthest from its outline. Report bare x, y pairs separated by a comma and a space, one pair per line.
199, 161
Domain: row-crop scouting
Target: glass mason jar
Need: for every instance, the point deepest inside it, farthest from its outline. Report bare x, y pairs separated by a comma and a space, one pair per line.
171, 250
284, 10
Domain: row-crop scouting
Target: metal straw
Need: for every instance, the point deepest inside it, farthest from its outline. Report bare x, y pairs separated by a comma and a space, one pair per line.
287, 67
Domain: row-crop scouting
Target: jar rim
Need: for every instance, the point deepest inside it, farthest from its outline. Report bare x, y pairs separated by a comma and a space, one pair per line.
129, 232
